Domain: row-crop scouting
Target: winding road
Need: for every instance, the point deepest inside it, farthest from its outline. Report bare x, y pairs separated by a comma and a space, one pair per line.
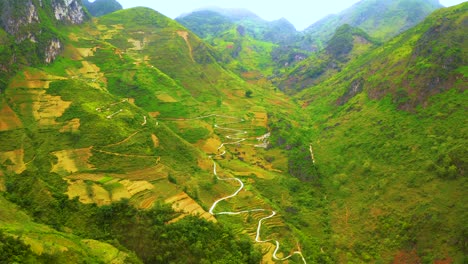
236, 136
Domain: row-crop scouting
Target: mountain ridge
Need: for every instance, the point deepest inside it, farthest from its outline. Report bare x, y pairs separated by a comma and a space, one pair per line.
124, 143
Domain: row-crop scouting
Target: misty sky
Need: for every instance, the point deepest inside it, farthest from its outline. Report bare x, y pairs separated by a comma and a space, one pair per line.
301, 13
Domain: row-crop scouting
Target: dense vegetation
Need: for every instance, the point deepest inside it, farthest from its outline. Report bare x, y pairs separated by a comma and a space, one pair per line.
102, 7
380, 19
106, 154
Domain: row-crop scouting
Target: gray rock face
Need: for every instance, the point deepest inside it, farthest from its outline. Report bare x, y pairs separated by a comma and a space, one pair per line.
69, 11
13, 18
53, 50
22, 19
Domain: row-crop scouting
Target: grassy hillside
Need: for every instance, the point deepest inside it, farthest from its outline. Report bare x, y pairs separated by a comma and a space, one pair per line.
108, 153
109, 130
346, 45
392, 153
380, 19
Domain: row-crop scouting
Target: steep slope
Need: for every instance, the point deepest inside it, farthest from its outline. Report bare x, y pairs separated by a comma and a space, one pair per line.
395, 180
252, 47
122, 120
211, 22
380, 19
347, 44
102, 7
28, 33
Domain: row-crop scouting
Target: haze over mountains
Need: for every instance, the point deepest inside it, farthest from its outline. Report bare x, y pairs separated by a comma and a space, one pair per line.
219, 137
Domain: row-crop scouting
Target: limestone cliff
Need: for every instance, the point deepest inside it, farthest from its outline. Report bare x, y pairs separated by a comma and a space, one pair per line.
25, 21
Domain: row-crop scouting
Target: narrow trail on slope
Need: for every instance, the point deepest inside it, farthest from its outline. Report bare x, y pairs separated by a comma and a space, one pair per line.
237, 135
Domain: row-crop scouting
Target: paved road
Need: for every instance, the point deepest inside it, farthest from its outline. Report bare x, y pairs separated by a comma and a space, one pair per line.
273, 213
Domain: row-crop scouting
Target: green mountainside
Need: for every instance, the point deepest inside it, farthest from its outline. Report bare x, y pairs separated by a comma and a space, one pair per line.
252, 47
119, 137
214, 21
347, 44
380, 19
395, 180
102, 7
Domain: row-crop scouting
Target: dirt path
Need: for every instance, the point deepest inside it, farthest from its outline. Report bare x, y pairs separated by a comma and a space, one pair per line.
237, 136
126, 155
184, 35
124, 140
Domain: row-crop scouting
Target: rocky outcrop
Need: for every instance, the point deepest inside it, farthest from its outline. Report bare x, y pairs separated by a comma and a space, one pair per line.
52, 50
23, 20
69, 11
16, 15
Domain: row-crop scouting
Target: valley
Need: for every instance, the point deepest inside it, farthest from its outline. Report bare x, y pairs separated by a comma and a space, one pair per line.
219, 137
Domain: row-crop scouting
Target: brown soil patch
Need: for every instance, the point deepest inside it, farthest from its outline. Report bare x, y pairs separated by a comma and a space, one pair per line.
138, 44
32, 84
131, 100
261, 119
268, 257
79, 189
100, 195
89, 67
149, 174
46, 108
407, 257
120, 192
155, 140
73, 37
86, 52
71, 126
166, 98
134, 187
182, 202
154, 114
13, 160
148, 202
112, 191
8, 119
211, 145
184, 35
205, 164
70, 161
86, 176
2, 182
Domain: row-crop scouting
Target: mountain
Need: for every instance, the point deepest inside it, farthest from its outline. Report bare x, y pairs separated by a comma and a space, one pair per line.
388, 131
113, 140
252, 47
141, 142
346, 44
28, 28
380, 19
213, 21
102, 7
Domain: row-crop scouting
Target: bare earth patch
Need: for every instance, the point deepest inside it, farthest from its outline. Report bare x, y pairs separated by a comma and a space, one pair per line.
13, 160
100, 195
184, 35
182, 202
211, 145
46, 108
71, 126
134, 187
79, 189
8, 119
2, 182
70, 161
166, 98
155, 140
